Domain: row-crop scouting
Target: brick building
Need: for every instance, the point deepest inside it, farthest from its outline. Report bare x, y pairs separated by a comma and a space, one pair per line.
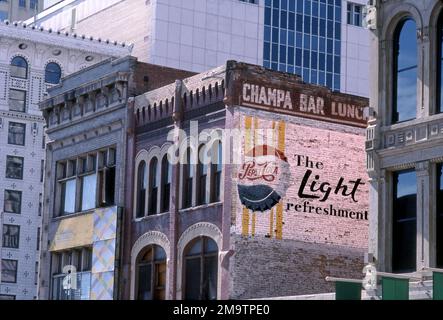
271, 200
87, 119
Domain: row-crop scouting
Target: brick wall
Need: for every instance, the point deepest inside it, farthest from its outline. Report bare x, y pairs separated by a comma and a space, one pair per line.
283, 251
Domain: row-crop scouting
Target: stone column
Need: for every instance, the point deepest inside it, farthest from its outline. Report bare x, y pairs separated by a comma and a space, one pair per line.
423, 214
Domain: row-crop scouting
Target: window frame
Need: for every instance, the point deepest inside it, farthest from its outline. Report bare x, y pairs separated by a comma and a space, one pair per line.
6, 228
16, 270
15, 67
154, 264
20, 193
19, 124
23, 110
8, 157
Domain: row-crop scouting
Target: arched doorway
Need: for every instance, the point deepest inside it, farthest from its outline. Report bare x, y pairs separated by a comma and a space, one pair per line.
151, 273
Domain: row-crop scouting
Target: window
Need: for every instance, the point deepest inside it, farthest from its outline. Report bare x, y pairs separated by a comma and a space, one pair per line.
201, 265
166, 183
9, 271
6, 297
355, 14
16, 133
405, 72
404, 227
38, 238
439, 95
4, 15
151, 274
11, 236
13, 201
42, 170
14, 167
202, 174
22, 3
19, 68
188, 177
53, 73
86, 182
217, 167
33, 4
17, 100
36, 273
153, 187
439, 216
142, 184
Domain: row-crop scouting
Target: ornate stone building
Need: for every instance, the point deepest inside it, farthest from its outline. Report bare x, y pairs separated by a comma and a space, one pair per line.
404, 140
87, 124
31, 61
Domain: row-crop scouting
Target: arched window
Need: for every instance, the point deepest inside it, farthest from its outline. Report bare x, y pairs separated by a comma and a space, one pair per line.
188, 177
153, 186
19, 68
53, 73
201, 267
166, 183
202, 174
217, 167
439, 95
151, 274
141, 190
405, 72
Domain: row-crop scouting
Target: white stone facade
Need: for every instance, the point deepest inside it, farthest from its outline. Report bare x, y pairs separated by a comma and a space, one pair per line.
38, 48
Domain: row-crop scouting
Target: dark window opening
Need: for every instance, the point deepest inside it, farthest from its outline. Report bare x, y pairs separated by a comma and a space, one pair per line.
141, 190
151, 274
166, 183
153, 187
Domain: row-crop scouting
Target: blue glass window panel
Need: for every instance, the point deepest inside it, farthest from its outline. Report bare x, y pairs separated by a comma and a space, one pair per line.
322, 45
268, 3
290, 55
306, 75
274, 52
306, 41
306, 58
298, 57
284, 4
314, 8
283, 54
290, 69
300, 6
267, 35
337, 64
406, 72
321, 61
307, 25
291, 38
329, 80
283, 36
330, 45
322, 11
266, 51
307, 7
291, 21
337, 30
329, 66
274, 66
275, 18
338, 2
276, 3
314, 59
337, 47
283, 19
292, 5
268, 16
297, 70
322, 28
338, 14
321, 78
266, 64
314, 43
330, 29
298, 40
282, 67
314, 26
337, 81
275, 33
299, 23
314, 77
330, 12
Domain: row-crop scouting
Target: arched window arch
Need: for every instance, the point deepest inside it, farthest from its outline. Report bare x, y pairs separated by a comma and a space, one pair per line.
188, 178
217, 167
19, 68
141, 190
405, 71
151, 273
202, 174
200, 269
53, 73
166, 183
153, 186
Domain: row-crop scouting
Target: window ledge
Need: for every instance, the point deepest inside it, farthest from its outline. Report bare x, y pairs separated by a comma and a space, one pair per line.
203, 206
73, 215
152, 216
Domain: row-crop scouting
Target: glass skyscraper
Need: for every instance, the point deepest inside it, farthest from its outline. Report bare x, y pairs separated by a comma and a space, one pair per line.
304, 37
